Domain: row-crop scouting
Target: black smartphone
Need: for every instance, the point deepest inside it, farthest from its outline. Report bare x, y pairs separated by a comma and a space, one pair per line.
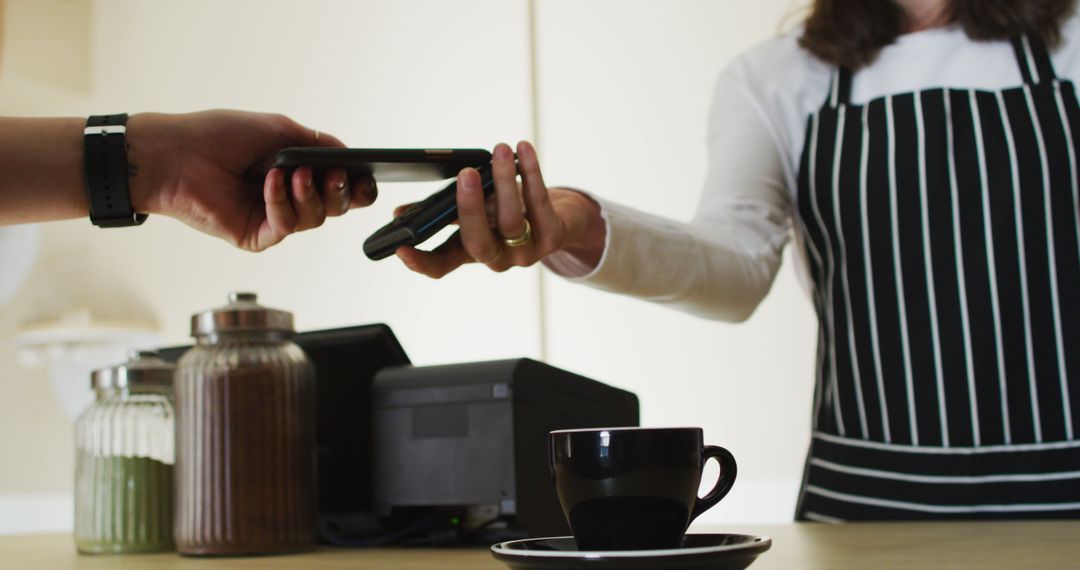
422, 220
385, 164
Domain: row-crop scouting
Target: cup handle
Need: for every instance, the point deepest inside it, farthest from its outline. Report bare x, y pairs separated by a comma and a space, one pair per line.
728, 469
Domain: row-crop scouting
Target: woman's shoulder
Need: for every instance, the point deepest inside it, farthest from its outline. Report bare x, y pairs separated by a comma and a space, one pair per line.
779, 72
783, 81
773, 86
778, 59
1066, 55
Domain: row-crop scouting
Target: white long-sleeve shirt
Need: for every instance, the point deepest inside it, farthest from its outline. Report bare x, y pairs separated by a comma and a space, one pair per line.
722, 262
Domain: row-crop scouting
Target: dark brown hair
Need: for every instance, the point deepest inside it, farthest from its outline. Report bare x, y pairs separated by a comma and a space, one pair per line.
852, 32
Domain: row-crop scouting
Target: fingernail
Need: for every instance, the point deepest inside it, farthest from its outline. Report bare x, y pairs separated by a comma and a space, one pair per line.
342, 183
373, 190
308, 189
502, 152
467, 182
276, 192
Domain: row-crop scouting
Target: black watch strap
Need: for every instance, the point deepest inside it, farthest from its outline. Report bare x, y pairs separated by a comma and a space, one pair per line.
105, 162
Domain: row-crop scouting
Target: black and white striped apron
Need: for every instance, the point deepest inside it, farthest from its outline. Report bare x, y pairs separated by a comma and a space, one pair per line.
943, 233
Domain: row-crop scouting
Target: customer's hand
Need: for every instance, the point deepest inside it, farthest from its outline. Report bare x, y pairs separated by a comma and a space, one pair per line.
192, 167
556, 218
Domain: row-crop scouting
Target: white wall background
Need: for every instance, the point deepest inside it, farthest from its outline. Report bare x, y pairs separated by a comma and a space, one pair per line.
621, 91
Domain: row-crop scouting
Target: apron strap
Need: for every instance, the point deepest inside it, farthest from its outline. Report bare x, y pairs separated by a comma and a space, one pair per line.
840, 88
1033, 59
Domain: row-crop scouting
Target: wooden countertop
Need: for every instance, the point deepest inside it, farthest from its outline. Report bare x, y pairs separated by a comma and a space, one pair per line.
1013, 544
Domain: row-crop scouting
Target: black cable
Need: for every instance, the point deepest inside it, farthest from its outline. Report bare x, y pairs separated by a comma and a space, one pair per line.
473, 532
427, 523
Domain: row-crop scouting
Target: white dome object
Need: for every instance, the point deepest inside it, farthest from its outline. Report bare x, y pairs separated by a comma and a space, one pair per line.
75, 345
18, 251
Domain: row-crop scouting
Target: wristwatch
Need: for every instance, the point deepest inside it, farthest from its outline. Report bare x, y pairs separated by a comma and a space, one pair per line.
105, 162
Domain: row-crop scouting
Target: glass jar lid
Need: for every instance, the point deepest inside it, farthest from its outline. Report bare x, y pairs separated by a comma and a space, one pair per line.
143, 369
241, 314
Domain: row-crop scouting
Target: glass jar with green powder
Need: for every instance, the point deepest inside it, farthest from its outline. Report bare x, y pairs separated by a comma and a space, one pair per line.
124, 445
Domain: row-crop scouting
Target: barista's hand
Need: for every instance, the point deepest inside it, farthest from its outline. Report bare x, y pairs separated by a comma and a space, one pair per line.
558, 219
191, 167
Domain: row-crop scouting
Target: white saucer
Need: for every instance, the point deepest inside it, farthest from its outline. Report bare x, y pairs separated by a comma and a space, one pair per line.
698, 551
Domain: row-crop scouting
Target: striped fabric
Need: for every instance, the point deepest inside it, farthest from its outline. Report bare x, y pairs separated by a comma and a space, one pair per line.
943, 229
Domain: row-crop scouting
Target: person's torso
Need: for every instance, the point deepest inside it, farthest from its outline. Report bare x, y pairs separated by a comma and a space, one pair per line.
942, 230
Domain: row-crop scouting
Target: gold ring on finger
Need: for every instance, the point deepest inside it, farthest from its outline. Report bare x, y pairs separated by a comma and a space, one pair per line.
520, 240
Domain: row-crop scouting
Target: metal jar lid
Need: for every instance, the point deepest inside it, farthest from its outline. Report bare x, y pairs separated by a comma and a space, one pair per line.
143, 369
242, 314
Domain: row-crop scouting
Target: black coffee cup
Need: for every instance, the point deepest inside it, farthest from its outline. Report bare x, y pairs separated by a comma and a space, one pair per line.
634, 488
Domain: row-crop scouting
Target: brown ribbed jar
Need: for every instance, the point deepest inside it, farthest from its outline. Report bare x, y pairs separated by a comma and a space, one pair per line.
245, 435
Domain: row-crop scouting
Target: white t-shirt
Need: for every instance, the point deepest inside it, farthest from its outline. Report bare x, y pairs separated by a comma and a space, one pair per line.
722, 262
